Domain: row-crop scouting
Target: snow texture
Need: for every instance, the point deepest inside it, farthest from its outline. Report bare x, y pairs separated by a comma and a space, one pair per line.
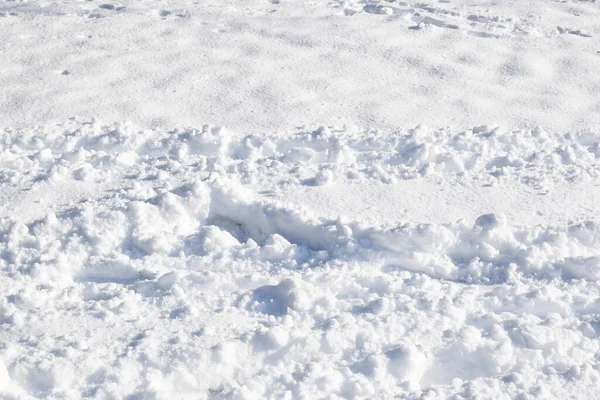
396, 199
175, 277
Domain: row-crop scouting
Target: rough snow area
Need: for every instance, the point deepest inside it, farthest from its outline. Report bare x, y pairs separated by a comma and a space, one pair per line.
318, 241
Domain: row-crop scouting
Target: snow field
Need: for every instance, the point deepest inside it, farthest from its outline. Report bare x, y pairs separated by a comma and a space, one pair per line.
176, 273
328, 244
258, 66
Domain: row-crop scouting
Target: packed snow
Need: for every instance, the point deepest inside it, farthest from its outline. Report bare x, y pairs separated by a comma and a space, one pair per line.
299, 199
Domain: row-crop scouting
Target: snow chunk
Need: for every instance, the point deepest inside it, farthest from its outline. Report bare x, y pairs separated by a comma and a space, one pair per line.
324, 177
407, 363
276, 248
274, 300
491, 221
270, 339
167, 281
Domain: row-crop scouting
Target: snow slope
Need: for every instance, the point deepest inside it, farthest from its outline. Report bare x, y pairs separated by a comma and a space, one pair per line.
317, 241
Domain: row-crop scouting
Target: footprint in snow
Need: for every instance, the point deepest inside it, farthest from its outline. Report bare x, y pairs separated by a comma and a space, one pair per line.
112, 7
576, 32
478, 21
164, 14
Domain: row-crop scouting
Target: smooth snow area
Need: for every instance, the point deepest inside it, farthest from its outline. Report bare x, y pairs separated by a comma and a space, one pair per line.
394, 199
438, 202
260, 65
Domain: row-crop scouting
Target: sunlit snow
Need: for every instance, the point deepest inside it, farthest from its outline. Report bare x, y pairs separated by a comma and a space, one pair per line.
294, 199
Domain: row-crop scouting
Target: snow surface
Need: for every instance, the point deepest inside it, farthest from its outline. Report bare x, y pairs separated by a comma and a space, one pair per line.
319, 240
259, 66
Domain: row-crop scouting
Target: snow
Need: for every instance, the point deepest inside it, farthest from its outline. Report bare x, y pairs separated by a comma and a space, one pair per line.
259, 66
394, 199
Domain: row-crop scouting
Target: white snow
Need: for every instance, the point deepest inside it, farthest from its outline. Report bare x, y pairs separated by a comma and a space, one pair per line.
260, 66
318, 240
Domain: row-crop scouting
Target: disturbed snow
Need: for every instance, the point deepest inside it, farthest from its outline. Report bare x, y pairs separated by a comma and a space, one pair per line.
324, 244
178, 272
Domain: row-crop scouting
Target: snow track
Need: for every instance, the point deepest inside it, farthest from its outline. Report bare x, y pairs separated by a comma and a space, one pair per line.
182, 267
